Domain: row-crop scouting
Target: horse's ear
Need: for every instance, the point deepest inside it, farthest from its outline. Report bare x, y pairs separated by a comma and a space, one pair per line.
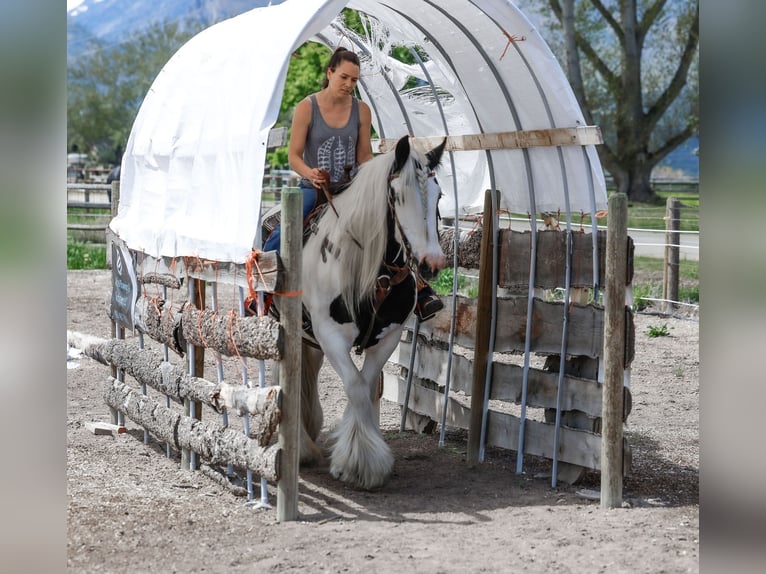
435, 155
402, 153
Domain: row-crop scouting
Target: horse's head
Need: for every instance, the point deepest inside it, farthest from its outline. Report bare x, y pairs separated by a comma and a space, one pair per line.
414, 195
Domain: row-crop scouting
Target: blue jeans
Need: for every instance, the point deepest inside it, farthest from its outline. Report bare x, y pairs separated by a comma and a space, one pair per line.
309, 202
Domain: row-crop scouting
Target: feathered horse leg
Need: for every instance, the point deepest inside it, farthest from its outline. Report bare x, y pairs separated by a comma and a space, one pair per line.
360, 456
311, 409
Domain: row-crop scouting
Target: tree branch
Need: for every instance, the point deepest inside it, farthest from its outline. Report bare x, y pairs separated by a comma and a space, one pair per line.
614, 24
667, 97
574, 67
650, 16
611, 79
670, 144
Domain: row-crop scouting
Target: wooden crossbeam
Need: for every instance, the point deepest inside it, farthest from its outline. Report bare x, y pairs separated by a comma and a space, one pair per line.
585, 135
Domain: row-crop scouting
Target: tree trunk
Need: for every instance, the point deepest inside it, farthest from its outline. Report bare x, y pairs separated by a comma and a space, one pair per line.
636, 182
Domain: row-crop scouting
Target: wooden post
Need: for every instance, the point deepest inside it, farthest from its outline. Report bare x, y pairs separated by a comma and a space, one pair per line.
290, 308
614, 352
672, 253
199, 362
483, 323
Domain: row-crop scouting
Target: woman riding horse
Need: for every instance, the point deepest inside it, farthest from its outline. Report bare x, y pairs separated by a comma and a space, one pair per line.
384, 224
330, 138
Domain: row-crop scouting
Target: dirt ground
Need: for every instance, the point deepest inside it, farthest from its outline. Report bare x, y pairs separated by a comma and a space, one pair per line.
131, 509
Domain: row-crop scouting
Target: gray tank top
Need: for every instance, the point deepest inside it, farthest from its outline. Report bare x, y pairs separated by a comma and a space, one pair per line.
331, 148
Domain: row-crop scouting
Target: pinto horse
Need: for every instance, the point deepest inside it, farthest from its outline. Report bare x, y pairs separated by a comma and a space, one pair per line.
360, 262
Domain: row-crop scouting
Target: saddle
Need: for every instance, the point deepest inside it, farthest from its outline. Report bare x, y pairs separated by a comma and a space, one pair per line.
272, 219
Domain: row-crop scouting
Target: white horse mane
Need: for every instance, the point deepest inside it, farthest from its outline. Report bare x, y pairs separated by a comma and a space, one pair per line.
361, 221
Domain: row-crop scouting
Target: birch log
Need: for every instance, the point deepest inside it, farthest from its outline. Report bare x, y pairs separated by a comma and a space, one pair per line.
225, 332
161, 320
148, 367
233, 335
469, 246
214, 443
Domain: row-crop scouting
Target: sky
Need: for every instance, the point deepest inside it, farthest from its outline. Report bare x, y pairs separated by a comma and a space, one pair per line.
72, 4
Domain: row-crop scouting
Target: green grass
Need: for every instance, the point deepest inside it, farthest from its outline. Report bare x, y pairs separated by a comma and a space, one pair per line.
468, 286
688, 268
93, 216
85, 256
640, 215
658, 330
688, 273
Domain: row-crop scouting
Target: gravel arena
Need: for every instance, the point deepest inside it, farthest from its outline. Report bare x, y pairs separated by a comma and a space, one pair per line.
131, 509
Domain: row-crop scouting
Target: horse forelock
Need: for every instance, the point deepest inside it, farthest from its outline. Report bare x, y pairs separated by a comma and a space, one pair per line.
360, 229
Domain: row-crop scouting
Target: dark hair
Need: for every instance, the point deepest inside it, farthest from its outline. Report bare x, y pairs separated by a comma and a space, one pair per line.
340, 54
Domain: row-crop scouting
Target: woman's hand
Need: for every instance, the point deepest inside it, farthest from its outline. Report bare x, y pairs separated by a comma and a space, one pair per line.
318, 177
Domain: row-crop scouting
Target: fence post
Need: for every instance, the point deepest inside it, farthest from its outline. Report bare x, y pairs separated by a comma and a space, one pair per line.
290, 307
614, 352
672, 253
483, 324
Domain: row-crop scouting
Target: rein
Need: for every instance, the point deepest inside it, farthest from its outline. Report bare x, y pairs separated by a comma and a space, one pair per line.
399, 272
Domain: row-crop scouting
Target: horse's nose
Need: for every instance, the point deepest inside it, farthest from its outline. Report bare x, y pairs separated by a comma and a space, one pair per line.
430, 266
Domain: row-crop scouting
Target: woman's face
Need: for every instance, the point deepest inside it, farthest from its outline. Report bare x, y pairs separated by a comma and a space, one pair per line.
344, 78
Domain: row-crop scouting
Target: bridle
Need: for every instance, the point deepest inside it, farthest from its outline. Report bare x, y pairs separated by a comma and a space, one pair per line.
408, 256
398, 272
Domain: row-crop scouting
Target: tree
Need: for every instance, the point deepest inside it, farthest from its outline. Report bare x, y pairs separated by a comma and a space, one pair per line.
304, 76
108, 83
633, 66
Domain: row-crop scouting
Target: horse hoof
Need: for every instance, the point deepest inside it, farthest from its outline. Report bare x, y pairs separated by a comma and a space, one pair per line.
361, 480
369, 474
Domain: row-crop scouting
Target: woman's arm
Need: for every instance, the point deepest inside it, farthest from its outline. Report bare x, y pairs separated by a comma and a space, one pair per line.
363, 144
298, 134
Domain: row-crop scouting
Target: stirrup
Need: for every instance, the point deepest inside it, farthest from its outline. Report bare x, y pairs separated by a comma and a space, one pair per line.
427, 307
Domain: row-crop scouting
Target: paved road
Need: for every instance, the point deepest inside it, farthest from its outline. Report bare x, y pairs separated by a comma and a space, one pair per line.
652, 244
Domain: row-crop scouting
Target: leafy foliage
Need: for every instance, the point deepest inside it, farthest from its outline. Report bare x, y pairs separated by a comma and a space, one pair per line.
658, 330
107, 85
465, 285
304, 76
83, 256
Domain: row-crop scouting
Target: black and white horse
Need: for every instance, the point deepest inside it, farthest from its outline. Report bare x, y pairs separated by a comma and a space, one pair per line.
359, 287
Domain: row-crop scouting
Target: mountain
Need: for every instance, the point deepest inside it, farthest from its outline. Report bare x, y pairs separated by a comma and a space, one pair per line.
685, 158
115, 21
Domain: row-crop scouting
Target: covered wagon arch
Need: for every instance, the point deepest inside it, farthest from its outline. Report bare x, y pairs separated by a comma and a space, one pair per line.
193, 167
194, 163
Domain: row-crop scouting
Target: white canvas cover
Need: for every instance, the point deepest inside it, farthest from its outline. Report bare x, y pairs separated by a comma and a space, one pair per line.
193, 166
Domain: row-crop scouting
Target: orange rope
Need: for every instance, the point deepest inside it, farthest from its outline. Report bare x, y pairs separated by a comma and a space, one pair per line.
250, 263
511, 38
288, 293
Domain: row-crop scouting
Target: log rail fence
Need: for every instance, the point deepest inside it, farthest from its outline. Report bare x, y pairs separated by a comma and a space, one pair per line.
267, 445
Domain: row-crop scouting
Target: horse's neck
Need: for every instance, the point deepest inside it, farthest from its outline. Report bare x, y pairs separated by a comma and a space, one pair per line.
394, 254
